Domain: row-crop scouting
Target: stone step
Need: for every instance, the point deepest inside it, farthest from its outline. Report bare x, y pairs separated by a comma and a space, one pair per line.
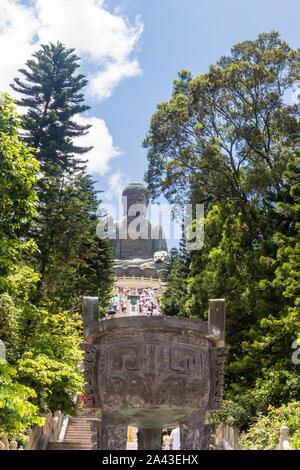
78, 438
83, 418
75, 447
78, 432
71, 447
79, 423
87, 425
79, 428
78, 435
68, 446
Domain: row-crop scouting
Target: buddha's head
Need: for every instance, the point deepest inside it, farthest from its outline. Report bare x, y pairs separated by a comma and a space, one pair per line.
135, 194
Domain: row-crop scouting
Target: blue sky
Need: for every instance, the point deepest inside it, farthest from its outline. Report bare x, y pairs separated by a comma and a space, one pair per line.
131, 51
189, 34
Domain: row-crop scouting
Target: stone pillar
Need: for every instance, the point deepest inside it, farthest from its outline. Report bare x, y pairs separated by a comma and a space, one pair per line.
284, 439
195, 434
90, 311
149, 439
110, 432
217, 319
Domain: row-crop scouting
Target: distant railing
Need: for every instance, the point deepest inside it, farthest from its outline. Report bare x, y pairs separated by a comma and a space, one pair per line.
227, 438
138, 278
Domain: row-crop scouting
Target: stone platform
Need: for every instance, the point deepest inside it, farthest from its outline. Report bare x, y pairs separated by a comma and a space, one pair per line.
138, 283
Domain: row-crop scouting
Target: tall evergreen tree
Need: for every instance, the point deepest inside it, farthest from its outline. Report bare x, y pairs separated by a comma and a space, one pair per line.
52, 95
65, 231
40, 371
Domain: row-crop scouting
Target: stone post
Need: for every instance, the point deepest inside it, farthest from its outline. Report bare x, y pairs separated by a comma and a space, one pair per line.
90, 311
111, 432
217, 319
13, 445
195, 434
284, 440
149, 439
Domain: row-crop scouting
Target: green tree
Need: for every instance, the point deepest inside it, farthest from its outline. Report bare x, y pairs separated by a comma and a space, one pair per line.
265, 433
52, 95
174, 273
17, 413
43, 353
65, 230
18, 170
226, 139
228, 130
72, 261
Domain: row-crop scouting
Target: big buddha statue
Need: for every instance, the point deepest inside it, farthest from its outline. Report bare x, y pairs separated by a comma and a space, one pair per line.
140, 245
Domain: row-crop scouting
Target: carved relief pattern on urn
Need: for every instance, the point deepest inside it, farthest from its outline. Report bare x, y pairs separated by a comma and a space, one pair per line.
145, 371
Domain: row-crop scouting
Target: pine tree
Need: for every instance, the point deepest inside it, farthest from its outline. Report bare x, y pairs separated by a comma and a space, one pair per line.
51, 94
65, 231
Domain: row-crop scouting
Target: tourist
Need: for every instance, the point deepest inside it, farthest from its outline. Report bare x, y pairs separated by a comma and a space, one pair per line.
165, 438
175, 439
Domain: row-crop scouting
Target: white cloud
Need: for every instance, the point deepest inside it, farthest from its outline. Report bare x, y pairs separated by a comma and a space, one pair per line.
112, 197
18, 26
100, 138
102, 83
105, 41
116, 183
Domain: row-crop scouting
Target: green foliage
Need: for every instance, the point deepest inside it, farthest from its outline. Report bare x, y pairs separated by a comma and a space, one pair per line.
55, 382
175, 271
174, 275
18, 171
275, 387
228, 140
71, 261
69, 255
228, 130
17, 413
264, 434
42, 345
49, 253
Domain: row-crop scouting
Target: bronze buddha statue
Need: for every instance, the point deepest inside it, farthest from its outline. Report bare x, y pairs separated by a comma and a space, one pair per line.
137, 239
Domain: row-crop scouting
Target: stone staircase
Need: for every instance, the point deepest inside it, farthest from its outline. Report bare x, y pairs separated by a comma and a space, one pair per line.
78, 435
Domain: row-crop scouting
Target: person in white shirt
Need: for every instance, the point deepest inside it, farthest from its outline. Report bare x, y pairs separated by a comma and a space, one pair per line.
175, 438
